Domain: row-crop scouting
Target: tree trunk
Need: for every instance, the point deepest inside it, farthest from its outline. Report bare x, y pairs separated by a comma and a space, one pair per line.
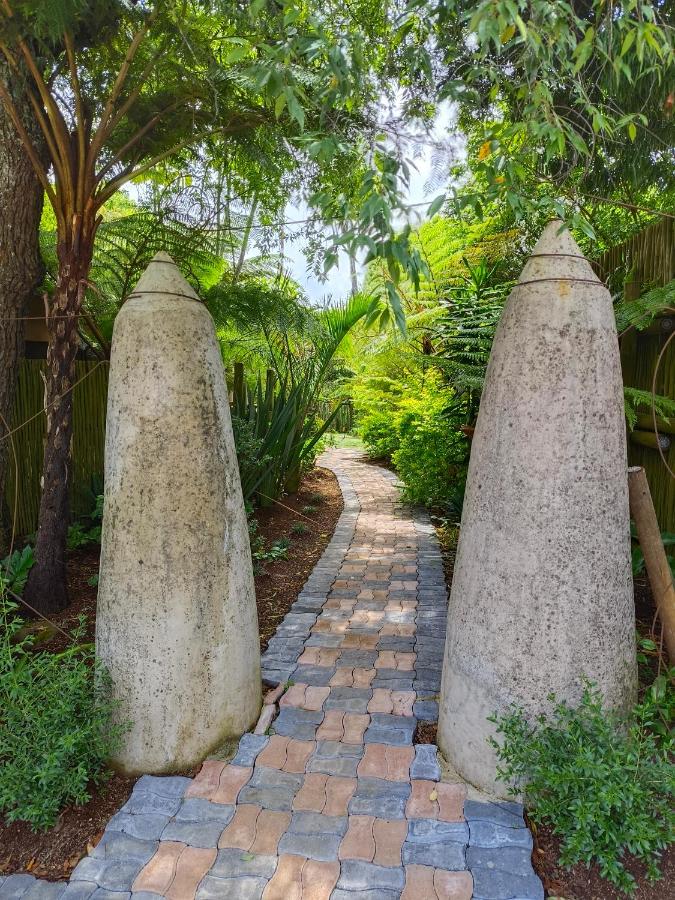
20, 262
47, 588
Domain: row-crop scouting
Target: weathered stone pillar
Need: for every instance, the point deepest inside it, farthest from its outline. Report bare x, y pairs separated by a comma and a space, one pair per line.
176, 624
542, 590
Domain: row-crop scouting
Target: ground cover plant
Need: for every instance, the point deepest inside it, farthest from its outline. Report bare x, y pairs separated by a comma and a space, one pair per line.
605, 783
56, 732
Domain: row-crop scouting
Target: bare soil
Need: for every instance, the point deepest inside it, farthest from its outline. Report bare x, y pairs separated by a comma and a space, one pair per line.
53, 854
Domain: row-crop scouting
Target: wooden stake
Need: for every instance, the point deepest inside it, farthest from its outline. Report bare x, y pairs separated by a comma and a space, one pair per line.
656, 563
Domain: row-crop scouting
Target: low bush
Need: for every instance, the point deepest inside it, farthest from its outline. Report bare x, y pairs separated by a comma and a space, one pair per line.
604, 784
56, 731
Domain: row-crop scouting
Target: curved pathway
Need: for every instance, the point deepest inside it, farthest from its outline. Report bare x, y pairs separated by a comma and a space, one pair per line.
337, 802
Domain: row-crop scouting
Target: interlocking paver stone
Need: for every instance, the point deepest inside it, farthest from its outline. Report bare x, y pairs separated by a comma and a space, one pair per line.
330, 800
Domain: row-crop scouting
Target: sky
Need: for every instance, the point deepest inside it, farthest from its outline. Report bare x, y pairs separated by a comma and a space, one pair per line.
338, 284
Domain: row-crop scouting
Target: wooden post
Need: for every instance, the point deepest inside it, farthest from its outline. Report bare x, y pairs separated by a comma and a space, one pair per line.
656, 563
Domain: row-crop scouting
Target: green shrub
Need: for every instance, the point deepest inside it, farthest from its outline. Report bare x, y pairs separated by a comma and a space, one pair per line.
88, 529
379, 430
55, 724
299, 528
604, 785
432, 454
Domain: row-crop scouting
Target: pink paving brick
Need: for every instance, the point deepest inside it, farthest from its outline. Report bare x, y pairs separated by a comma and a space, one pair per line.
274, 695
294, 696
231, 782
312, 794
339, 792
240, 833
389, 837
355, 725
402, 702
363, 677
271, 824
436, 800
175, 870
436, 884
381, 701
358, 842
158, 873
286, 754
206, 782
332, 727
385, 761
344, 677
319, 656
386, 659
297, 878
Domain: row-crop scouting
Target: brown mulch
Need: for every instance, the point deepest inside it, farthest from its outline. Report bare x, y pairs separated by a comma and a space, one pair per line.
52, 854
280, 582
580, 883
425, 733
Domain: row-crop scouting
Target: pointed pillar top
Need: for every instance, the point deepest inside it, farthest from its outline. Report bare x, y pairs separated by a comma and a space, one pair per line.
556, 256
163, 276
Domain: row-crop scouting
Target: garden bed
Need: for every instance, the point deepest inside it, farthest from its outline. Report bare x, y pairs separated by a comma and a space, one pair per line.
54, 853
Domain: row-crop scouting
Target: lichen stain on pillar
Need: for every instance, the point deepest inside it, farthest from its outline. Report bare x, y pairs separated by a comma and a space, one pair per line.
542, 589
176, 622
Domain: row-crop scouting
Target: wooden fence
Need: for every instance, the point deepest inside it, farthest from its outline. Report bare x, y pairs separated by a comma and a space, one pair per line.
645, 261
89, 408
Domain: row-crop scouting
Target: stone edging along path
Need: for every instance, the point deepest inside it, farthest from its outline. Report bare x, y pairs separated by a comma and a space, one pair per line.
337, 802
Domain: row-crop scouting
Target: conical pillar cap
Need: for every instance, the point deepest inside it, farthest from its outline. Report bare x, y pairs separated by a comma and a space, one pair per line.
163, 276
556, 256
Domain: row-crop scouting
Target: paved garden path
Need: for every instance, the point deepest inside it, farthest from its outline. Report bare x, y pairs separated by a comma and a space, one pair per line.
337, 801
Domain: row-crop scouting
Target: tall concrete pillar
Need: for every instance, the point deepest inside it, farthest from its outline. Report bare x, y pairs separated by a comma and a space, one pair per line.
542, 590
176, 623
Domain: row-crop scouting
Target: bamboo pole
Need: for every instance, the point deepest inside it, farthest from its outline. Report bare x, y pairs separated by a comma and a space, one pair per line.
656, 563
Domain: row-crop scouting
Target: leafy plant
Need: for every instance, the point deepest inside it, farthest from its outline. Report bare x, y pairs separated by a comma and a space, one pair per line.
88, 529
316, 497
308, 509
56, 730
14, 570
299, 528
605, 784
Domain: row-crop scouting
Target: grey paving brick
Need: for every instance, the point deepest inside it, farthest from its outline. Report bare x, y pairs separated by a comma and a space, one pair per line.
434, 831
356, 875
320, 639
317, 823
354, 700
116, 845
271, 789
492, 884
394, 642
317, 676
45, 890
15, 886
364, 659
392, 683
322, 847
487, 834
79, 890
236, 863
274, 675
426, 710
194, 834
245, 887
445, 855
147, 826
142, 802
516, 860
111, 874
387, 729
105, 894
339, 894
500, 812
164, 786
425, 764
380, 798
297, 723
196, 809
250, 746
